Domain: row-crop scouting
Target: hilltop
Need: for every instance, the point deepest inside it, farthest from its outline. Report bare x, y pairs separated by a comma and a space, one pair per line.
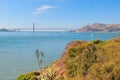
99, 27
82, 60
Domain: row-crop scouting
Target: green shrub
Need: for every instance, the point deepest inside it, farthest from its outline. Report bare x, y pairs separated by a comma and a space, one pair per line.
97, 41
29, 76
71, 70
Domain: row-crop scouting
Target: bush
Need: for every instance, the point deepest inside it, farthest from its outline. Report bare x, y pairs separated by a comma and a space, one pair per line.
71, 70
29, 76
97, 41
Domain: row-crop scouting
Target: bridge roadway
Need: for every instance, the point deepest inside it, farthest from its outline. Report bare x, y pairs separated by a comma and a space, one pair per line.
39, 29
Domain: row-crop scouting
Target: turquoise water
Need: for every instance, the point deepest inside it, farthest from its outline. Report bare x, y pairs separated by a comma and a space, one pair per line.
17, 49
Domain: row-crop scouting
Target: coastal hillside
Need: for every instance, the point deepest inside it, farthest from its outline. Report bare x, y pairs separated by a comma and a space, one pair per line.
82, 60
99, 27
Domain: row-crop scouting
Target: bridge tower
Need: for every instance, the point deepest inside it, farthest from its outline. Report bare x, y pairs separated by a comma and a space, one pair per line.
33, 26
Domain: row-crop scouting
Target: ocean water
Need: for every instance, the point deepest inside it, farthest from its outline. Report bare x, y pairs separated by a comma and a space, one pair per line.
17, 49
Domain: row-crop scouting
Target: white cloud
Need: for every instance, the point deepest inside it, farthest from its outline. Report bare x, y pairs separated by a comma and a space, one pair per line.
43, 9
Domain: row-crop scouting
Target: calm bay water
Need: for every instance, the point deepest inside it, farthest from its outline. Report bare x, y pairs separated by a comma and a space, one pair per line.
17, 49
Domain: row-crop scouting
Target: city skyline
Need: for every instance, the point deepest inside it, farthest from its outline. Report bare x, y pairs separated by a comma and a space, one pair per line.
57, 13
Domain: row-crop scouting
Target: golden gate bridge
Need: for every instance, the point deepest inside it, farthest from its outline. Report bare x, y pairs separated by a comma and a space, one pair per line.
33, 28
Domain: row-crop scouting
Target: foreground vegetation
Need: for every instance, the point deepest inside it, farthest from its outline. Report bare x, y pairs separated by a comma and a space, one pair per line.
96, 60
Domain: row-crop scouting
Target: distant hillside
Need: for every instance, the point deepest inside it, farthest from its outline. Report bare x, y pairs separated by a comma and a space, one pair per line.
99, 27
5, 30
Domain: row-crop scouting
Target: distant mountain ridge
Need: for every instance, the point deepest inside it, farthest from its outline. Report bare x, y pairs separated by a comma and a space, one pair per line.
5, 30
99, 27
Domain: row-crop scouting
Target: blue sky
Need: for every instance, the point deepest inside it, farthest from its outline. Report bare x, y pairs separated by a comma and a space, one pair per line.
57, 13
